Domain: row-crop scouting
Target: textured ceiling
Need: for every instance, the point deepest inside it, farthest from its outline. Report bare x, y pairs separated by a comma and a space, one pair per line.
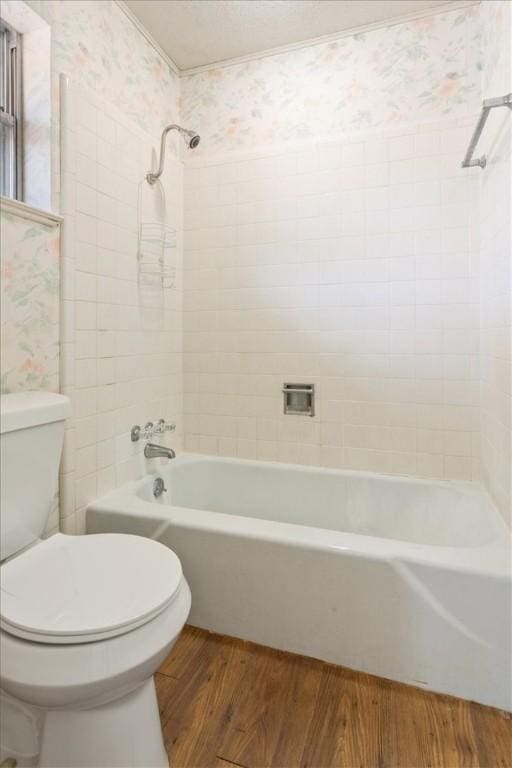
198, 32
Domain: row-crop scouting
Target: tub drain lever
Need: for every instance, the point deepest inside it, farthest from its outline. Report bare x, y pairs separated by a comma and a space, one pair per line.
158, 489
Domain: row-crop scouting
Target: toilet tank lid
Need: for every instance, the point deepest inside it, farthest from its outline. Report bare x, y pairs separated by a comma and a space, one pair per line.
21, 410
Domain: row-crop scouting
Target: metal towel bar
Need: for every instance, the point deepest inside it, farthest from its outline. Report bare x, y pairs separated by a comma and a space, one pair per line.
500, 101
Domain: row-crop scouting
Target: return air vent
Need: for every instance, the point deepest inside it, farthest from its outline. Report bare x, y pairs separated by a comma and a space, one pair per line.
299, 399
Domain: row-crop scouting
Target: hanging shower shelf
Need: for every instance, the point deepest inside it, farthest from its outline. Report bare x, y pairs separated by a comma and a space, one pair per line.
157, 255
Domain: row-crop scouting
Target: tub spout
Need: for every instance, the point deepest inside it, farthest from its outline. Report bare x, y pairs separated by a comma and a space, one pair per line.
152, 451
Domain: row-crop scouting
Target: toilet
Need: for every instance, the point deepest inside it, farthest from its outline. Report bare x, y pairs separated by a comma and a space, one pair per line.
85, 621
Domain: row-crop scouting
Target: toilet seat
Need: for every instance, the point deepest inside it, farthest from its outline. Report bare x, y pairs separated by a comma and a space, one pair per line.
81, 589
85, 675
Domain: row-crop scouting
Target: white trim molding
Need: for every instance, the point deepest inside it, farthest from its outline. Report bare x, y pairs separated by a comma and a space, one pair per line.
450, 5
149, 37
24, 211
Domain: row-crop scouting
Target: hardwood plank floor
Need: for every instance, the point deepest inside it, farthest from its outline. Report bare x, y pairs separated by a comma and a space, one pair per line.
226, 703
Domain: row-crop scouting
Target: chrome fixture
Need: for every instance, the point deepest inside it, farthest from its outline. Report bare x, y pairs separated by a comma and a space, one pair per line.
146, 433
136, 432
152, 451
191, 139
161, 426
299, 399
158, 489
488, 104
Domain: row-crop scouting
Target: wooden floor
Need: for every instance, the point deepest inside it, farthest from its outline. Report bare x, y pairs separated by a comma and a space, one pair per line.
225, 703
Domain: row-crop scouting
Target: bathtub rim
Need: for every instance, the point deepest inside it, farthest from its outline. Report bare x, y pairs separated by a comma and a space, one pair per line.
494, 558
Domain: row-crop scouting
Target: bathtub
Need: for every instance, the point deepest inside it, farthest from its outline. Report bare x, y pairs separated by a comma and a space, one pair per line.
397, 577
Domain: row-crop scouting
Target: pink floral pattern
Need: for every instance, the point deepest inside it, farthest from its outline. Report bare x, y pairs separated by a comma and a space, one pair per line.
29, 273
415, 71
96, 45
497, 44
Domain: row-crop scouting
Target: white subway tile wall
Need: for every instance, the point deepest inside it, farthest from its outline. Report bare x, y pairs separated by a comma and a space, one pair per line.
121, 354
351, 265
496, 261
496, 317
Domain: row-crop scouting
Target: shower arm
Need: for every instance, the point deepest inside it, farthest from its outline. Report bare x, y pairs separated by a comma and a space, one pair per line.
150, 176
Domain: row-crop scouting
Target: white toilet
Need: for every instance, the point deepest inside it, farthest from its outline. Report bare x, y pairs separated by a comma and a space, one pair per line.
84, 621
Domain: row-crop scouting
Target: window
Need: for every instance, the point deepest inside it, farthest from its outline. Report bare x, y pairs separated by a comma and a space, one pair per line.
10, 113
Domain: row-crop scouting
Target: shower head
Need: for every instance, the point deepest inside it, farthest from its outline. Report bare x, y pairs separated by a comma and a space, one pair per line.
191, 139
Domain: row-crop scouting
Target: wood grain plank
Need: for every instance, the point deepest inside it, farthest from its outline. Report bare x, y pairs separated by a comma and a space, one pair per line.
349, 726
493, 735
228, 703
279, 684
463, 734
416, 728
424, 733
196, 718
177, 695
182, 656
298, 707
164, 688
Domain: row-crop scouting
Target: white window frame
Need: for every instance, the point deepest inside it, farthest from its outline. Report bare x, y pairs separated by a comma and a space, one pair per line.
11, 158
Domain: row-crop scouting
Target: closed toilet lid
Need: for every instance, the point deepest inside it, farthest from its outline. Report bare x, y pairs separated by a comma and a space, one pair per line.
77, 589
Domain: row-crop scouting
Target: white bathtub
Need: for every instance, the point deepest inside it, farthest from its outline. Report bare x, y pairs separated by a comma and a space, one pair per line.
402, 578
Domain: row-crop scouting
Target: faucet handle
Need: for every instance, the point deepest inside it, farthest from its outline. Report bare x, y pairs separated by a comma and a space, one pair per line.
162, 426
147, 432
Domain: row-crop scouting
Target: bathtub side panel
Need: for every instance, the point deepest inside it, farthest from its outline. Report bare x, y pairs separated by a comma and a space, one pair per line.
431, 627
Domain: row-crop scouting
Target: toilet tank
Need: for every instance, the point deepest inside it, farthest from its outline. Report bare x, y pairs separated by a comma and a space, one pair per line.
31, 437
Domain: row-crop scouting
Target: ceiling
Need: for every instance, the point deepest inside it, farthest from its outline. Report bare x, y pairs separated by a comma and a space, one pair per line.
195, 33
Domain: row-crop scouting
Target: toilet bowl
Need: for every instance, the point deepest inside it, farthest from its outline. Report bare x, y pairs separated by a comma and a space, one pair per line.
85, 621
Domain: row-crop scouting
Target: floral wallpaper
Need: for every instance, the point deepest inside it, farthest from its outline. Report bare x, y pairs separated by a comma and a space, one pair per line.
415, 71
29, 273
96, 45
497, 45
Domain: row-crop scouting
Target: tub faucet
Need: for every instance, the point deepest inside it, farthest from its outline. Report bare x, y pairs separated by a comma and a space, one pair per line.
152, 451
